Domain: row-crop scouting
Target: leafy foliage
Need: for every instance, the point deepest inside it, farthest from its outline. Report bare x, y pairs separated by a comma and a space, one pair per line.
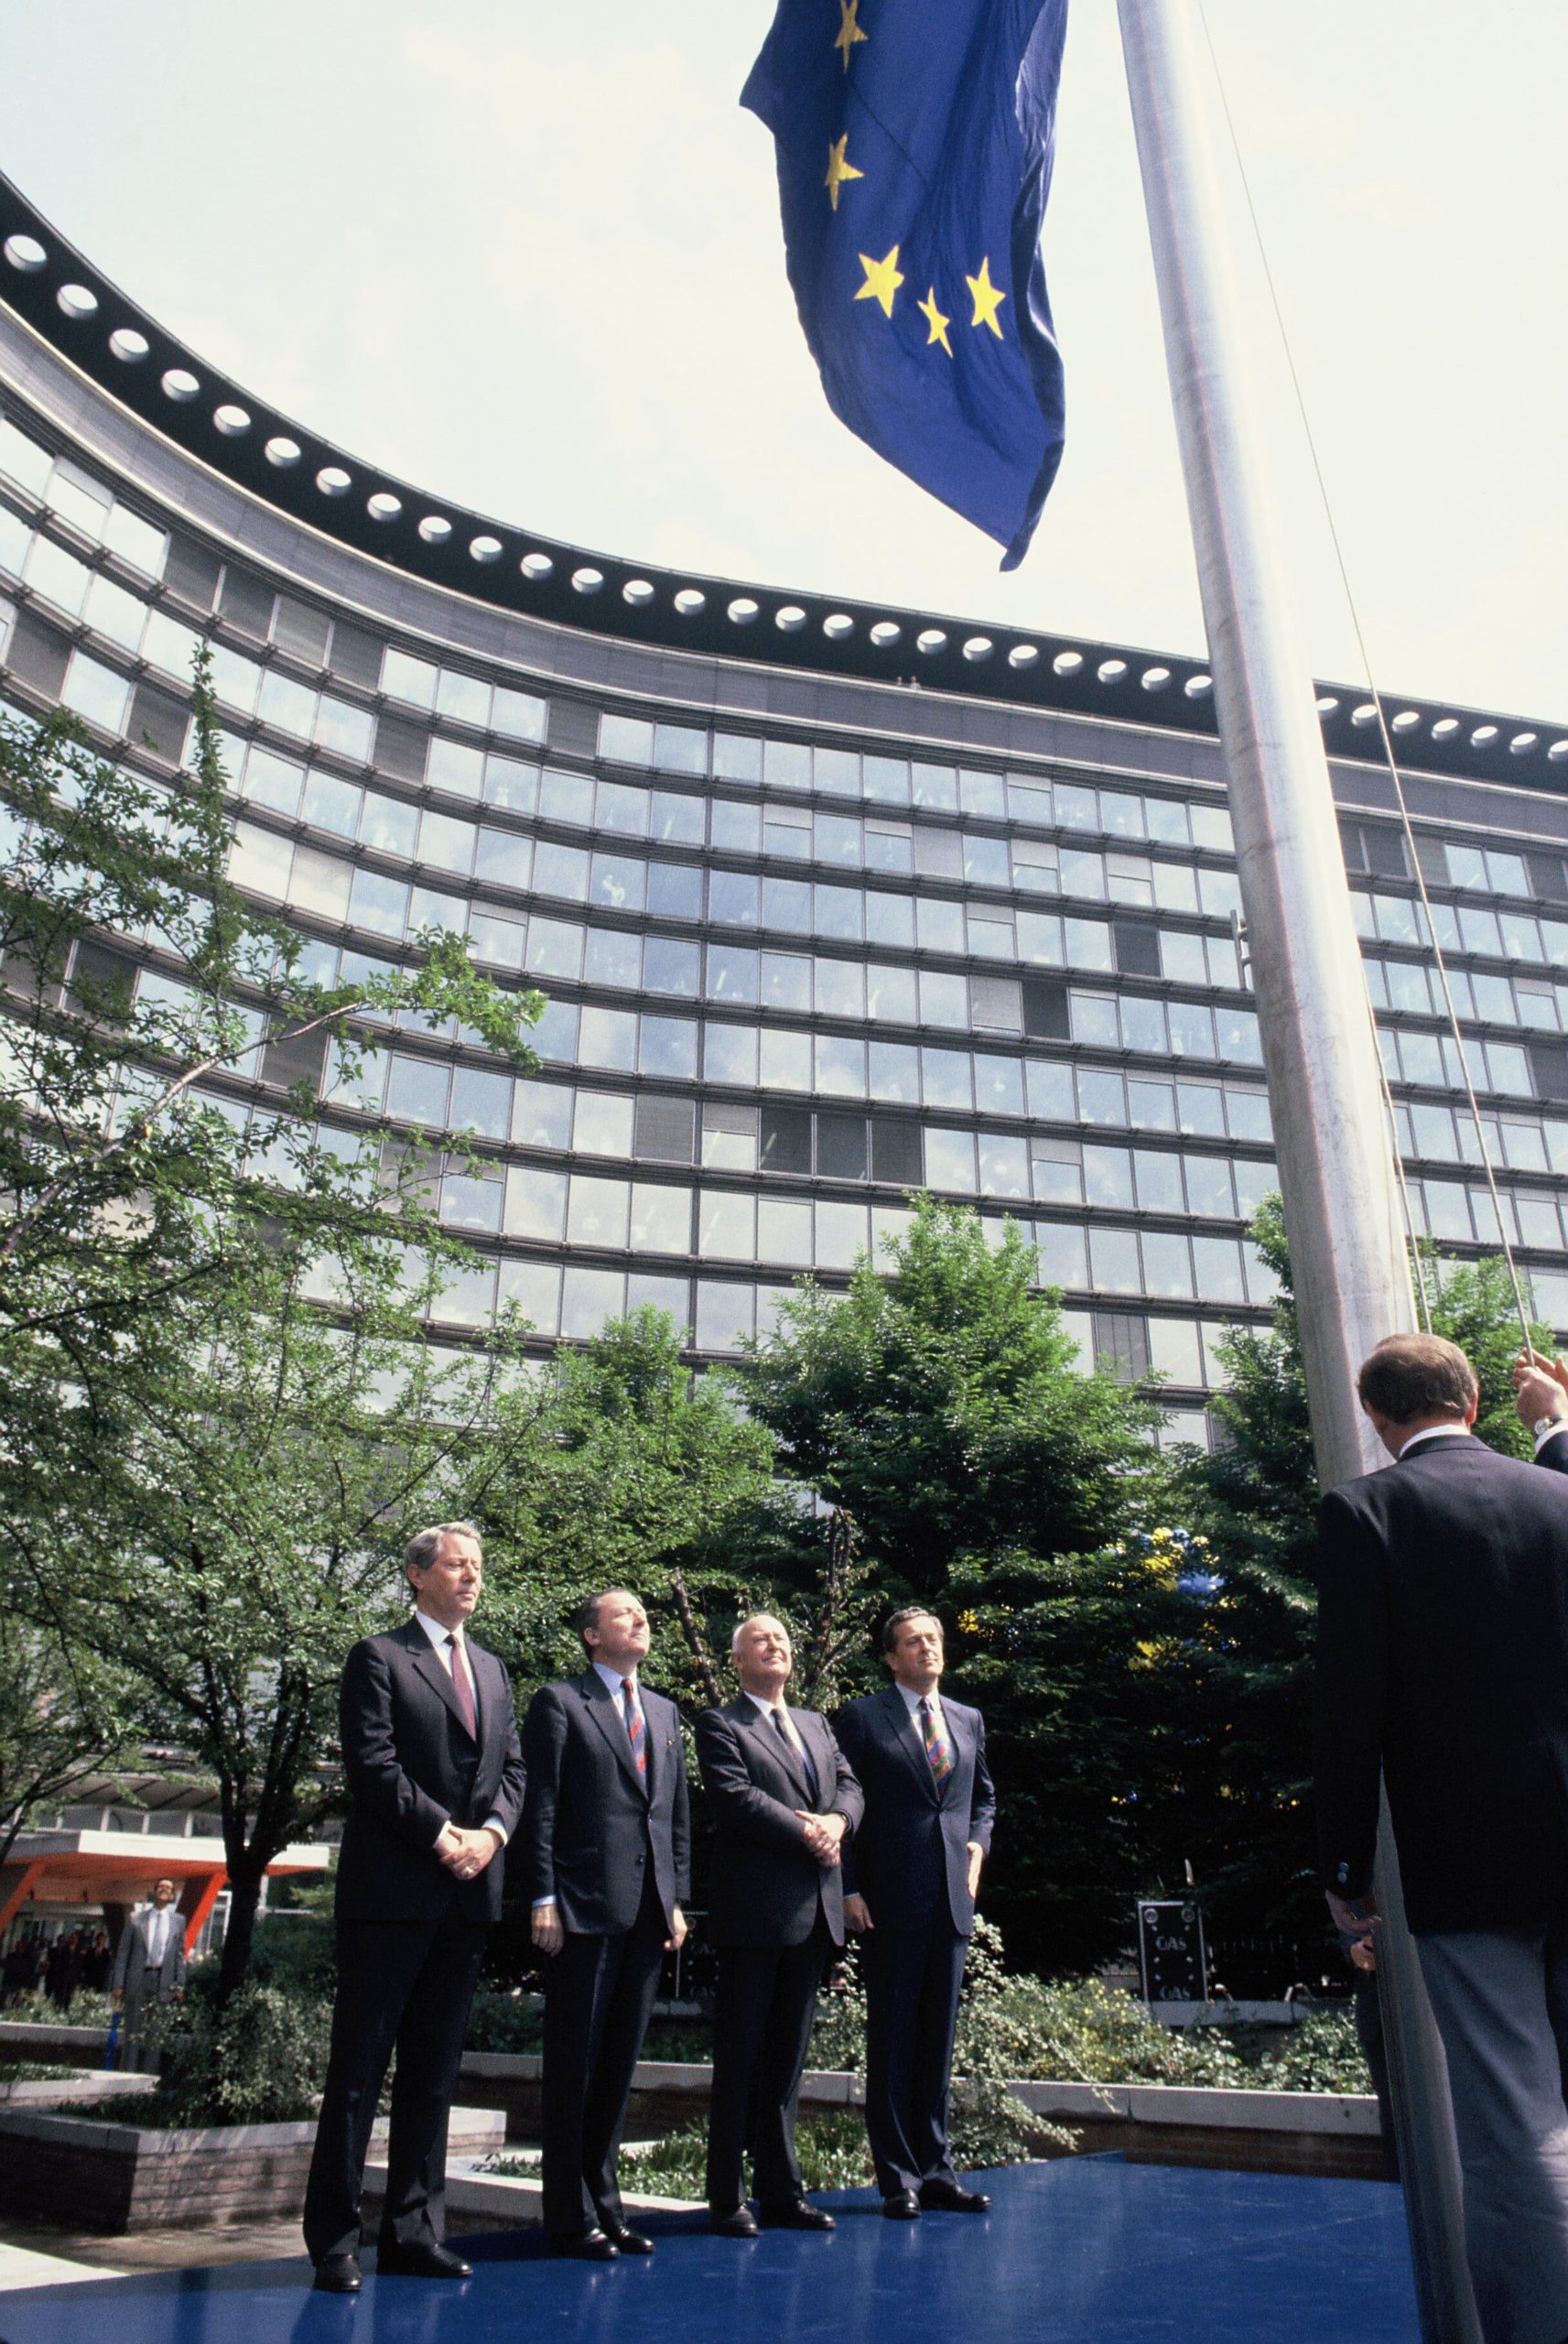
256, 2058
938, 1405
218, 1412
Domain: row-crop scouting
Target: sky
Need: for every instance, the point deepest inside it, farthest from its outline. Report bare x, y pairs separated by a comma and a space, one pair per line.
527, 257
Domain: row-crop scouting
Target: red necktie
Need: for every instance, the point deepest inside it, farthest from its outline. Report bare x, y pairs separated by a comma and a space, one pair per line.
463, 1688
634, 1728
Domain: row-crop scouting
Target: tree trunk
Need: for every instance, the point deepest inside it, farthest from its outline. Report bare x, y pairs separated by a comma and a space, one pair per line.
244, 1896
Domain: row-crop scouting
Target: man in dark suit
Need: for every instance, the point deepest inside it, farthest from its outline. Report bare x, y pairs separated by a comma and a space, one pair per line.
608, 1834
1443, 1665
910, 1876
435, 1779
783, 1800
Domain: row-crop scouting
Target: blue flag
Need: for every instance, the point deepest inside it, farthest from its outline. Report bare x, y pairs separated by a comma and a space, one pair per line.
914, 146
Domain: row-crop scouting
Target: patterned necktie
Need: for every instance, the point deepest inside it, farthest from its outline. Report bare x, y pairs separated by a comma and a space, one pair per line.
939, 1749
786, 1724
636, 1729
463, 1688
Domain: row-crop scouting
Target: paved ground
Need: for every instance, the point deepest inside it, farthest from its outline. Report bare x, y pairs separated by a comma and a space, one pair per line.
181, 2250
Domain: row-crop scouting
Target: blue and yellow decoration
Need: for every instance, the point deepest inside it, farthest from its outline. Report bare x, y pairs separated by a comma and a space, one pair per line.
914, 142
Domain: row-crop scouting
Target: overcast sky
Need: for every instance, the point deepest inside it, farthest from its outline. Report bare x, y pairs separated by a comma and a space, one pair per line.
527, 255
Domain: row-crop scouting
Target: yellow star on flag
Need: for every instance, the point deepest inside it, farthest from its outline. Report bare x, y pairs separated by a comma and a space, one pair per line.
987, 301
935, 320
883, 280
839, 170
850, 29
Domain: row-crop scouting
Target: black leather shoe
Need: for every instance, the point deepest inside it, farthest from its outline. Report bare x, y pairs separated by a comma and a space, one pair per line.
627, 2241
952, 2197
738, 2221
338, 2275
795, 2214
901, 2206
427, 2261
588, 2246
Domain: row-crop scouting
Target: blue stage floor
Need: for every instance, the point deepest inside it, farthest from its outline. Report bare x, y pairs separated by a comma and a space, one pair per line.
1084, 2251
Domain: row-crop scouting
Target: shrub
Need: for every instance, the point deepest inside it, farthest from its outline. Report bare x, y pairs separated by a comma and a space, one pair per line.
831, 2148
296, 1953
1321, 2053
259, 2059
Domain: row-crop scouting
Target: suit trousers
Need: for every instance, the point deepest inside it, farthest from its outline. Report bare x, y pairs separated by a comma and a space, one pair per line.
1500, 2000
598, 1992
763, 2009
136, 2054
402, 1985
913, 1977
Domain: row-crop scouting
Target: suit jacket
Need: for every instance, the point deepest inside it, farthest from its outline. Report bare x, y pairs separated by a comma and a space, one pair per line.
909, 1858
766, 1888
411, 1767
592, 1827
132, 1969
1443, 1657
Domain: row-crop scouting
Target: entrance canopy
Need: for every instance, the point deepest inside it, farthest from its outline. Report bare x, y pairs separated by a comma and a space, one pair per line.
93, 1869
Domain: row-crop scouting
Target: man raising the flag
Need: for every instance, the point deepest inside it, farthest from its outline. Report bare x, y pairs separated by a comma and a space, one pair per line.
914, 146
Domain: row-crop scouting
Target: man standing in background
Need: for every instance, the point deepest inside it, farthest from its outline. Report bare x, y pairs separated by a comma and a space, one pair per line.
149, 1965
910, 1876
607, 1830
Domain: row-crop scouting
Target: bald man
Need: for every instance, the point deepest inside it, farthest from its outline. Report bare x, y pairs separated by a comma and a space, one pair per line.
783, 1800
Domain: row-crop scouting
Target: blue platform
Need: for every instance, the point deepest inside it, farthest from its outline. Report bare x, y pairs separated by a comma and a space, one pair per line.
1083, 2250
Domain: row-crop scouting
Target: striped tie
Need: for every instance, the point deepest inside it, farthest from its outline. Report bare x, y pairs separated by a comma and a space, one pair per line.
634, 1728
939, 1749
462, 1685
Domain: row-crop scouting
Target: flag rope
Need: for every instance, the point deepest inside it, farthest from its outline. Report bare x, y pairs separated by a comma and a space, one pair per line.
1390, 758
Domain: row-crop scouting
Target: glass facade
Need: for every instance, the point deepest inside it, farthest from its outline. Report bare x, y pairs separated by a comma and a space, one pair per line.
799, 960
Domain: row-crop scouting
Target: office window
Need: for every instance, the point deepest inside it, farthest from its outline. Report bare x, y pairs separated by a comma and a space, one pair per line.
840, 989
1003, 1164
950, 1160
895, 1072
612, 957
667, 1046
728, 1137
541, 1115
1113, 1260
730, 1055
895, 1151
843, 1233
726, 1314
664, 1130
841, 1067
785, 1059
840, 1147
1167, 1265
603, 1121
890, 995
587, 1298
1060, 1250
999, 1085
607, 1038
783, 1232
785, 1139
661, 1219
1121, 1344
1045, 1010
1136, 946
670, 965
946, 1078
536, 1203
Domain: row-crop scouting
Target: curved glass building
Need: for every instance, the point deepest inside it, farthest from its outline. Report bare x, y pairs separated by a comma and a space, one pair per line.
830, 902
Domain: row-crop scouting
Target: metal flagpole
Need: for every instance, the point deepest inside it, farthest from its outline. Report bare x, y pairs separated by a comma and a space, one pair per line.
1351, 1270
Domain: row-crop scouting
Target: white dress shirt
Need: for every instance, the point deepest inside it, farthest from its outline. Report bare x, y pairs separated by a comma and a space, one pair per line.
156, 1935
1436, 1432
441, 1646
912, 1703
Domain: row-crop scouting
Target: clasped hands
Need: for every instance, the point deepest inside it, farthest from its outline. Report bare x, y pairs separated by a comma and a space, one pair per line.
822, 1834
467, 1852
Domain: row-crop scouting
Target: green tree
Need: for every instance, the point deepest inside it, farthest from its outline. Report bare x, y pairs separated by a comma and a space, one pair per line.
216, 1409
63, 1718
632, 1472
939, 1405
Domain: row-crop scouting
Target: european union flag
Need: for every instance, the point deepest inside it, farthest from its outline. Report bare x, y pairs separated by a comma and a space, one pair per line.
914, 146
